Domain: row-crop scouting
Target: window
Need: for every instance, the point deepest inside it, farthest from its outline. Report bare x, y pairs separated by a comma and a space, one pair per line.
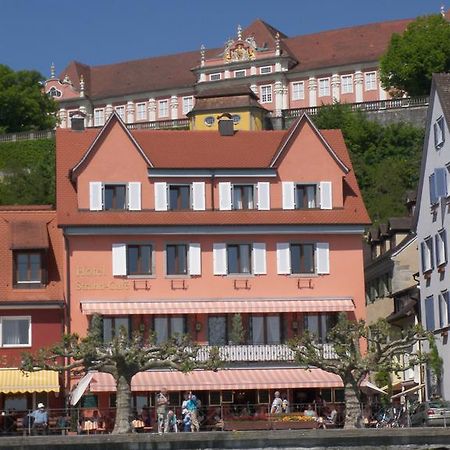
239, 73
266, 94
176, 259
324, 87
113, 326
441, 247
298, 90
29, 270
120, 110
139, 259
99, 117
370, 79
443, 313
188, 104
163, 108
15, 331
432, 186
217, 330
429, 313
166, 327
243, 196
141, 111
265, 329
305, 196
215, 77
53, 92
426, 250
446, 297
238, 257
302, 258
320, 325
346, 84
265, 69
115, 196
179, 196
439, 132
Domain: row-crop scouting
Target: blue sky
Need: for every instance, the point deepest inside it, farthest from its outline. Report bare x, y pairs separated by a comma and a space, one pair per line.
33, 33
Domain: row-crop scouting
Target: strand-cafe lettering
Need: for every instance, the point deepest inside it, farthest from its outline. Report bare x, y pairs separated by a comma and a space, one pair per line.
96, 285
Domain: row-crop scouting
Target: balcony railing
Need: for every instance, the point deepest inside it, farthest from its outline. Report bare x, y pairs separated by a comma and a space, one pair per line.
258, 353
174, 124
378, 105
27, 136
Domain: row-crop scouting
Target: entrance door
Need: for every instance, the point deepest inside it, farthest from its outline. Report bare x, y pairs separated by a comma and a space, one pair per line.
217, 330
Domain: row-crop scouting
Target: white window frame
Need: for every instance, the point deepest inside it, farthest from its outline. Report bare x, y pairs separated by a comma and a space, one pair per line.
141, 111
427, 257
121, 111
241, 73
265, 70
163, 108
370, 80
439, 132
441, 247
324, 87
430, 315
347, 85
99, 117
217, 76
133, 199
188, 103
266, 93
9, 318
298, 90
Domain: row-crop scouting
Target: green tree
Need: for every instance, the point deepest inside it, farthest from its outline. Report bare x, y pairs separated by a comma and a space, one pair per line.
386, 158
23, 104
352, 362
122, 357
412, 57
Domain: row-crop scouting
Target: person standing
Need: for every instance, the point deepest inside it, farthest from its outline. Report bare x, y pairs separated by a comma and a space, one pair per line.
162, 404
40, 422
192, 407
277, 404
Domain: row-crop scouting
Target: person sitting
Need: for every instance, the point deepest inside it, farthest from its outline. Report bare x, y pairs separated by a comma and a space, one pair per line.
171, 423
310, 412
187, 422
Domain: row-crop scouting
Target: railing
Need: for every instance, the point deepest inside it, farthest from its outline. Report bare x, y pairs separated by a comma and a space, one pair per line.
160, 125
378, 105
27, 136
257, 353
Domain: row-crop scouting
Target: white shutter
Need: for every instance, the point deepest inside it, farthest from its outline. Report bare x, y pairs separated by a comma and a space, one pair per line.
283, 258
323, 257
263, 195
160, 196
326, 201
259, 258
134, 196
195, 259
119, 259
220, 258
225, 196
288, 195
95, 196
198, 196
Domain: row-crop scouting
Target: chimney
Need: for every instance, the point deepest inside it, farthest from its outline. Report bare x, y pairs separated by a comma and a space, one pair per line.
77, 120
226, 125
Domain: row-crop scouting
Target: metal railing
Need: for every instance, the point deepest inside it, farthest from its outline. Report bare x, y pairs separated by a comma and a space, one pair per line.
258, 353
377, 105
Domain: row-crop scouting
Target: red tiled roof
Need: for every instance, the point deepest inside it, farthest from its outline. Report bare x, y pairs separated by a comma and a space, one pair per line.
363, 43
208, 150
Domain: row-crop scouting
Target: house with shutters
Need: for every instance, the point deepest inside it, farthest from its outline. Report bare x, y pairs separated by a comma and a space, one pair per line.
285, 73
194, 232
432, 224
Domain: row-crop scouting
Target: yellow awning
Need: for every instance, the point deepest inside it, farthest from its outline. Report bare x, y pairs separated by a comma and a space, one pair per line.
14, 381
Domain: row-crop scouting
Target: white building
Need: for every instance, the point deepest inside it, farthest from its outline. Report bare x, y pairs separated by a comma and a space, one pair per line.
432, 223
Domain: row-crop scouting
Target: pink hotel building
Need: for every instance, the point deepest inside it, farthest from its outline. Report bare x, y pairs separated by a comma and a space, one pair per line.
179, 231
284, 72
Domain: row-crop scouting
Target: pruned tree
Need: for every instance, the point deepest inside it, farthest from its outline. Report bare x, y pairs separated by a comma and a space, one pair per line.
360, 349
122, 357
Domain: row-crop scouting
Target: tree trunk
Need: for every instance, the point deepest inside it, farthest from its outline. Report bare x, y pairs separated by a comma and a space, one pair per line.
352, 405
122, 424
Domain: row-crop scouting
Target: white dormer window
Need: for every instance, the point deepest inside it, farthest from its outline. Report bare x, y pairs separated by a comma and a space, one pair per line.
239, 73
244, 196
307, 195
439, 132
180, 196
114, 196
215, 77
264, 70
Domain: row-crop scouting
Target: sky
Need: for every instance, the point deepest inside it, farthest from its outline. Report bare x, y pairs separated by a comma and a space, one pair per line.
34, 33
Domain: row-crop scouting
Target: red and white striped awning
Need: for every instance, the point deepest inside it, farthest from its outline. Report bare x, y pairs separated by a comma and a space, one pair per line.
226, 379
217, 306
